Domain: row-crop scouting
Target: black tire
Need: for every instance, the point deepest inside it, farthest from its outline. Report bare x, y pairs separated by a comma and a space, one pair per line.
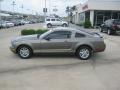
28, 49
49, 25
101, 30
109, 32
89, 52
64, 25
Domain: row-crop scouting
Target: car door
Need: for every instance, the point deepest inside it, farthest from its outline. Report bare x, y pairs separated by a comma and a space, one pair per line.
57, 41
53, 22
58, 22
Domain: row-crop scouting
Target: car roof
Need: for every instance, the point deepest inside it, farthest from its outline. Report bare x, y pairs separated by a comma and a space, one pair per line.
68, 29
52, 18
65, 28
83, 31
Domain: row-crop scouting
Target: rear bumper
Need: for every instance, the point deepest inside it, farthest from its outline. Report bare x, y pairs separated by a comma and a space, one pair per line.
100, 48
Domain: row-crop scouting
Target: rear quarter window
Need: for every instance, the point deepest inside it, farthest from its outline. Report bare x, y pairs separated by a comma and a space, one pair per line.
79, 35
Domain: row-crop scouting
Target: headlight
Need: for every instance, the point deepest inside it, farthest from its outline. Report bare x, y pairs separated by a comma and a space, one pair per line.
14, 42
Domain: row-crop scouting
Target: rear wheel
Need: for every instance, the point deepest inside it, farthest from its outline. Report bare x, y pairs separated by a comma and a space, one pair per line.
64, 25
49, 25
84, 53
24, 52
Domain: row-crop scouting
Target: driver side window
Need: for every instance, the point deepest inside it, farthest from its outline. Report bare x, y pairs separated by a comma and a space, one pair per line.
59, 35
57, 20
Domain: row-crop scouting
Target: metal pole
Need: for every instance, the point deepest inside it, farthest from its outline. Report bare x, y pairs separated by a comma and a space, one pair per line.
22, 11
0, 10
50, 7
13, 3
45, 9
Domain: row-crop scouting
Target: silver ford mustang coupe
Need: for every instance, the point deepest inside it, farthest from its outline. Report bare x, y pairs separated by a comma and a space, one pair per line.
59, 40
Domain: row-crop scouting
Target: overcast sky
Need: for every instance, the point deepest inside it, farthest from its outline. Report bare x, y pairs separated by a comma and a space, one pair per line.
33, 6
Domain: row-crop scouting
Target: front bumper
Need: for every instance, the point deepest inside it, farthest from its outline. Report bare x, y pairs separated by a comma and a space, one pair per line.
13, 49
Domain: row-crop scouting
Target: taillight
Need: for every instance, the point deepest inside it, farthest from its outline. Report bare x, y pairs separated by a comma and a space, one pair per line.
114, 26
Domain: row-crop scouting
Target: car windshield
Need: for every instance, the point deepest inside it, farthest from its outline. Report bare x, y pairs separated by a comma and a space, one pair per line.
44, 34
117, 22
88, 32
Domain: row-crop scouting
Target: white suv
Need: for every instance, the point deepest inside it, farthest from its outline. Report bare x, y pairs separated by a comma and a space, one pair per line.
55, 22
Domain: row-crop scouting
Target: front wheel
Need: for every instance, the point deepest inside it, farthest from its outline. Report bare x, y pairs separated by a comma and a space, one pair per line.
109, 32
101, 30
24, 52
84, 53
64, 25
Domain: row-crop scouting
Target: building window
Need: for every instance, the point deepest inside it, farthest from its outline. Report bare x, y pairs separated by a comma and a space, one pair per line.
82, 17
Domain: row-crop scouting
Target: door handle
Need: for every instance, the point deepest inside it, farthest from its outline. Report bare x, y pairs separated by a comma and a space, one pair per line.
65, 41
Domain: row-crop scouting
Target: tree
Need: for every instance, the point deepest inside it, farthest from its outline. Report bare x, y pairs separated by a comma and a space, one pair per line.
69, 12
73, 8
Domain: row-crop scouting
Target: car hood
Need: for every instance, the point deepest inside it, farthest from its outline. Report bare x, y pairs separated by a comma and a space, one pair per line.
28, 37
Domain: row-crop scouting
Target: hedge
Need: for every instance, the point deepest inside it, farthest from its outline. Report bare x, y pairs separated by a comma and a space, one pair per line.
87, 24
40, 31
32, 31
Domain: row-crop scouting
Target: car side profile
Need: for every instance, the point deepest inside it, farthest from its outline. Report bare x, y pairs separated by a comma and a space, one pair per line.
55, 22
3, 24
111, 26
9, 24
60, 40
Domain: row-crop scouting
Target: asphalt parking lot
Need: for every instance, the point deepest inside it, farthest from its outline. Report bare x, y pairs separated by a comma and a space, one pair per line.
61, 72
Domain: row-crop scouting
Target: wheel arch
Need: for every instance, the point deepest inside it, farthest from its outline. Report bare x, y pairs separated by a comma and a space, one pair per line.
24, 45
64, 24
84, 45
49, 24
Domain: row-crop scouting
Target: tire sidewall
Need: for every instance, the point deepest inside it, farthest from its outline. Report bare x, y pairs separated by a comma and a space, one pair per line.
49, 25
84, 47
109, 32
101, 30
30, 52
64, 25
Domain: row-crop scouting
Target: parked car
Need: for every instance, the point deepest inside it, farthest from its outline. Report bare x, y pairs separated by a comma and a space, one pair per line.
16, 22
27, 22
3, 24
111, 26
9, 24
22, 22
59, 40
55, 22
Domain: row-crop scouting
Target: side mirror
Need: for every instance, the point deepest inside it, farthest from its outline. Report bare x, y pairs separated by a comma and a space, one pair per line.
48, 38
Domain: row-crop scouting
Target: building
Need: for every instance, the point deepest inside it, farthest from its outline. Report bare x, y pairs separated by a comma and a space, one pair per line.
97, 11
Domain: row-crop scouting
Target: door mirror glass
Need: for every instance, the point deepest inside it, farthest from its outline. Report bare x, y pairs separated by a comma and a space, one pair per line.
48, 38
